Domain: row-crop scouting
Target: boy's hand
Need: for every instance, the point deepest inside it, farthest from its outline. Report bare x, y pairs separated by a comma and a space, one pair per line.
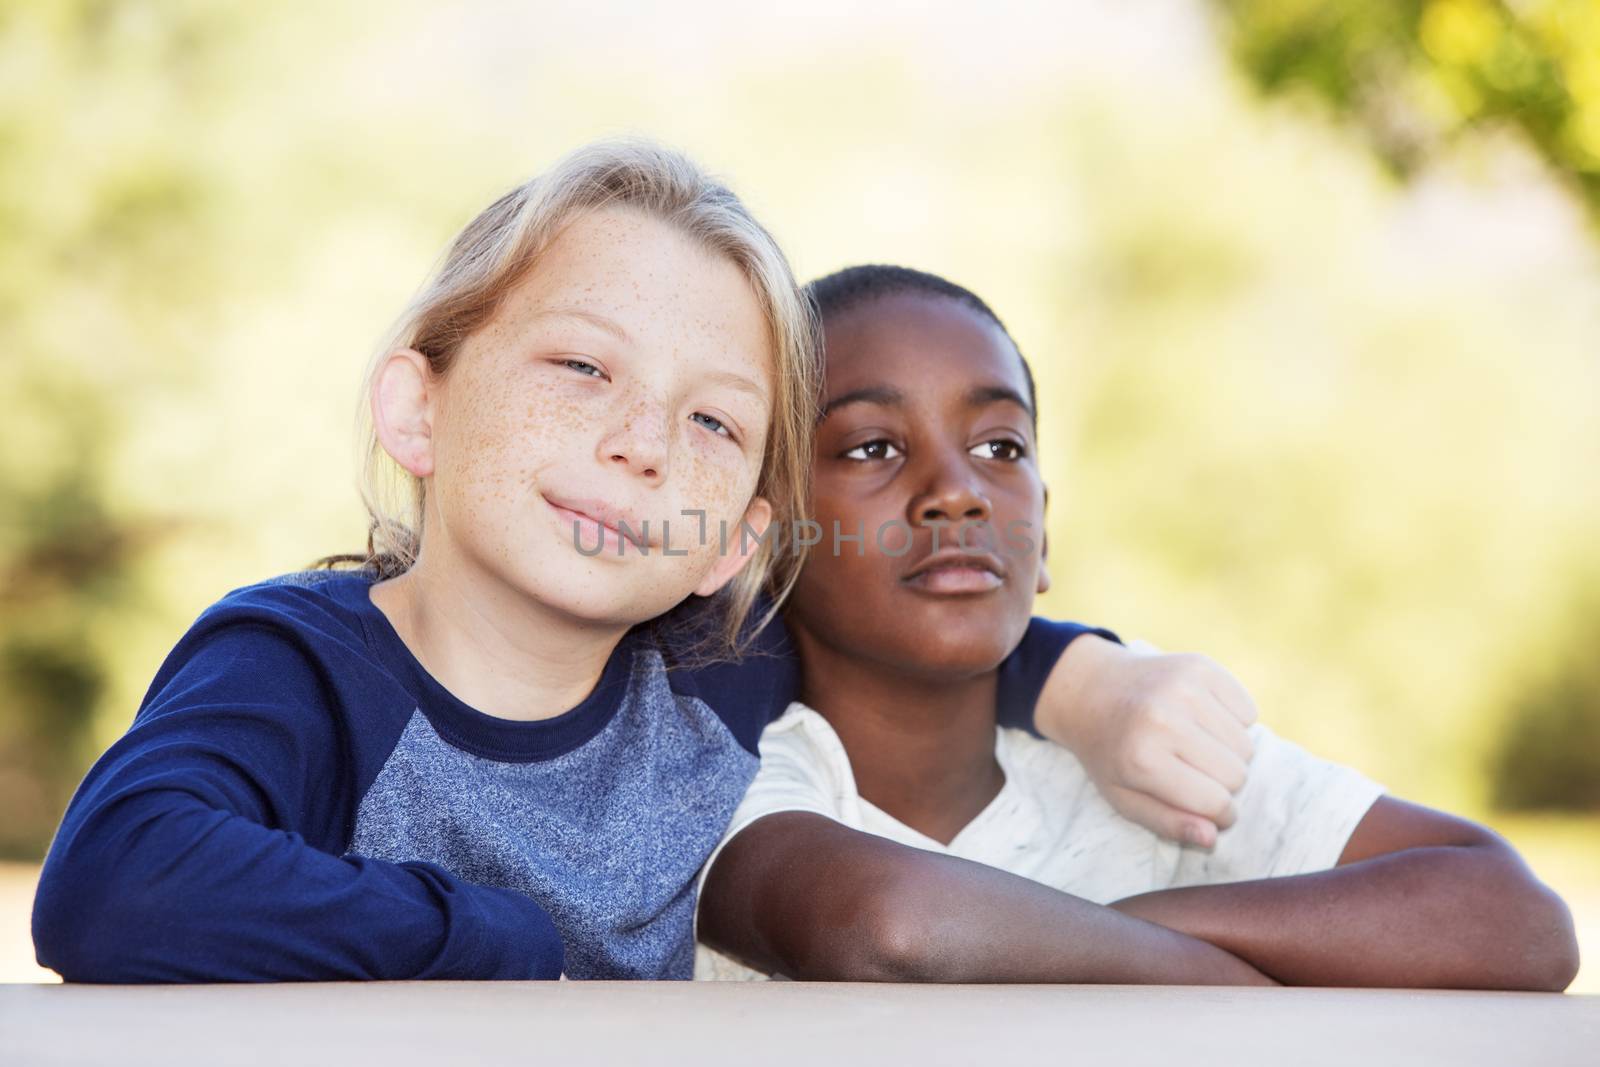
1163, 736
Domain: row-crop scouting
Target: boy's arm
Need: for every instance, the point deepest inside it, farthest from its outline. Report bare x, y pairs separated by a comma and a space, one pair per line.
799, 894
165, 887
1163, 737
1419, 898
190, 852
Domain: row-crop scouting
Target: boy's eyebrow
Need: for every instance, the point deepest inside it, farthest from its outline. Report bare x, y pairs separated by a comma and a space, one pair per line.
735, 381
590, 318
979, 395
873, 394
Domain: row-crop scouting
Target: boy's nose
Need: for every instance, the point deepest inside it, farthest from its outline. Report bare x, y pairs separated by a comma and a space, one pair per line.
953, 494
641, 445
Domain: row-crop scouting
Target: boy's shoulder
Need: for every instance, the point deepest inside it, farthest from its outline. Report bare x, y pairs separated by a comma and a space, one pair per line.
289, 630
746, 692
802, 742
302, 643
321, 601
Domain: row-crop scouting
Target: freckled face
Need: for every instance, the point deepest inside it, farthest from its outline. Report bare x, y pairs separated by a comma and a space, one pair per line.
630, 374
923, 425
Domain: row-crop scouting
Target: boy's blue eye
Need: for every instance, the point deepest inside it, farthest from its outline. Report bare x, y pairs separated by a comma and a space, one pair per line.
712, 423
584, 367
878, 449
999, 448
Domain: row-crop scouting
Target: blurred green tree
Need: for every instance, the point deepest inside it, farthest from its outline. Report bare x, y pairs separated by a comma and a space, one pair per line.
1548, 756
1417, 75
1283, 431
64, 562
103, 208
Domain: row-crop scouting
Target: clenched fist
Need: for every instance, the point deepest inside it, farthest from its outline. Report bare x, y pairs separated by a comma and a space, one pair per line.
1163, 735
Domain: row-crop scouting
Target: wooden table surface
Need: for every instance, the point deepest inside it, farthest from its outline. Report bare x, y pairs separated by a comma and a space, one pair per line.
400, 1023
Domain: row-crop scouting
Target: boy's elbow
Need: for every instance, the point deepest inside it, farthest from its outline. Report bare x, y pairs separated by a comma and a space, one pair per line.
1561, 968
1536, 932
61, 937
1552, 957
905, 949
88, 925
75, 959
887, 937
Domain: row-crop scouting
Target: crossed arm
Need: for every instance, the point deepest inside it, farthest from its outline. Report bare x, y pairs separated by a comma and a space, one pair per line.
1419, 898
798, 894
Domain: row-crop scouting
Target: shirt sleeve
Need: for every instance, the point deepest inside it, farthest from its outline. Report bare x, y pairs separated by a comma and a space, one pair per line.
1023, 674
755, 690
204, 845
801, 770
1296, 812
746, 693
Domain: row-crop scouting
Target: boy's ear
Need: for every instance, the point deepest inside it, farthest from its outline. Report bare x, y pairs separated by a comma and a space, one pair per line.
402, 410
741, 547
1044, 548
1044, 571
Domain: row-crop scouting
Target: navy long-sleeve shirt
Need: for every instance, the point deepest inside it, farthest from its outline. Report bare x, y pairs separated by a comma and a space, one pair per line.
298, 798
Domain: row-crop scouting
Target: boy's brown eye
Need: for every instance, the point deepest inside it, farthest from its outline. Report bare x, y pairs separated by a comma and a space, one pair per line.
999, 448
878, 449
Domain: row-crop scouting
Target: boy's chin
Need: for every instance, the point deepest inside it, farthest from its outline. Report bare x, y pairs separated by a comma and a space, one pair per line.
952, 658
605, 601
963, 630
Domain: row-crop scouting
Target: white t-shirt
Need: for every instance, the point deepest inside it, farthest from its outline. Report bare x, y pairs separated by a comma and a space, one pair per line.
1051, 824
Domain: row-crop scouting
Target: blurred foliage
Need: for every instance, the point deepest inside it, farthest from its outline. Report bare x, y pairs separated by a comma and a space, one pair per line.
1419, 77
1416, 75
1549, 755
105, 243
1338, 432
64, 568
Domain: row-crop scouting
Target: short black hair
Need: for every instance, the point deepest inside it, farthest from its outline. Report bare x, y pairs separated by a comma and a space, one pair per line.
834, 294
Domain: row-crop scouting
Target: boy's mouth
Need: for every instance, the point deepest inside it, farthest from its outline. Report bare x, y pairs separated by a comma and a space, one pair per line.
957, 571
599, 524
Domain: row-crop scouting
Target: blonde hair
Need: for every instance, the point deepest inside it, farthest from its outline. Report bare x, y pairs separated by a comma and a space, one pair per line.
498, 249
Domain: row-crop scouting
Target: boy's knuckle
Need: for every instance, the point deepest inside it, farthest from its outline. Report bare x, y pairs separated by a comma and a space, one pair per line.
1144, 759
1155, 716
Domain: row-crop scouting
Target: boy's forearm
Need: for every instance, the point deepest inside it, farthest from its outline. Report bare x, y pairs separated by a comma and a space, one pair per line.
166, 889
971, 926
801, 895
1464, 917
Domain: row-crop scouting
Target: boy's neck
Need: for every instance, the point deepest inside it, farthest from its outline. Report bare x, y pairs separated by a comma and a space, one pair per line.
921, 748
494, 648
